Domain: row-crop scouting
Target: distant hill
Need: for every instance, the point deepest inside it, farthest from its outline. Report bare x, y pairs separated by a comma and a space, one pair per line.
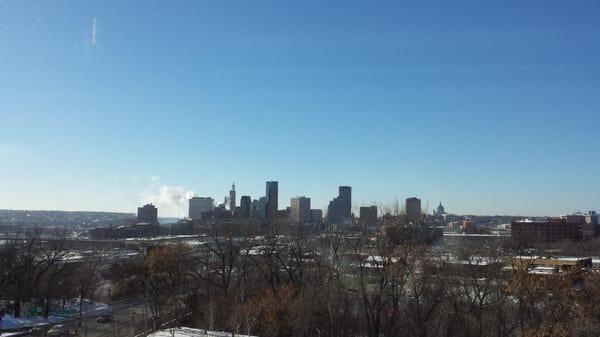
75, 219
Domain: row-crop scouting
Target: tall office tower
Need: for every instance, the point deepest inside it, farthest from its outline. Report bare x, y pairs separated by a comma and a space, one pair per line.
148, 214
368, 215
339, 210
334, 212
345, 194
261, 208
272, 199
300, 210
253, 211
413, 210
245, 206
199, 205
232, 198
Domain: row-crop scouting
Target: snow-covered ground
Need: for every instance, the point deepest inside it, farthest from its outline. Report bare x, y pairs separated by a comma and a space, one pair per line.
89, 306
10, 323
189, 332
13, 334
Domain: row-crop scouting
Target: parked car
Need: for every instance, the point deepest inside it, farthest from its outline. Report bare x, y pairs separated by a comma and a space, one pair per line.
104, 319
58, 330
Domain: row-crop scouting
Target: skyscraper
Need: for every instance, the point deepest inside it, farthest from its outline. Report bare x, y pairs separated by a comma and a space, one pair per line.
339, 210
413, 210
345, 194
232, 198
245, 206
300, 210
260, 208
272, 205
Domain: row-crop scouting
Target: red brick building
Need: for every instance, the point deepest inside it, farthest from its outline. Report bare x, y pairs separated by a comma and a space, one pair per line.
528, 232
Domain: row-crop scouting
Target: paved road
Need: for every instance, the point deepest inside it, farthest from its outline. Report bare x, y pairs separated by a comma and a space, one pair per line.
120, 326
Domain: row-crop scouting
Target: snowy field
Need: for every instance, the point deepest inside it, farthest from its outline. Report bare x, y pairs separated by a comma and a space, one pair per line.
189, 332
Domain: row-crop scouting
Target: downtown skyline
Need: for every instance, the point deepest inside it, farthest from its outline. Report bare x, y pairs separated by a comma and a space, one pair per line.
173, 201
489, 108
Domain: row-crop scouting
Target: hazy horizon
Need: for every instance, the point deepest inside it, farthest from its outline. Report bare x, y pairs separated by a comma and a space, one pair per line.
490, 108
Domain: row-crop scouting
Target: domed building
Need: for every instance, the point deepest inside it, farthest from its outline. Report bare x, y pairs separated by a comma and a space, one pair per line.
440, 211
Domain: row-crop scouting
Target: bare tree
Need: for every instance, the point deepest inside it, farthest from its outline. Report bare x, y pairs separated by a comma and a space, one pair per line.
26, 261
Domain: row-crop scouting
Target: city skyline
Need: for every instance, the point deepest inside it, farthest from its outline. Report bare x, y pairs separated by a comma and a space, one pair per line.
489, 108
175, 203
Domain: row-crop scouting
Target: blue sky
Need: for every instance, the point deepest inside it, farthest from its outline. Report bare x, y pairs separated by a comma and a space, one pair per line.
489, 107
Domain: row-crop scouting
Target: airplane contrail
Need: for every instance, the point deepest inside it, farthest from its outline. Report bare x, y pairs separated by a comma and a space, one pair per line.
93, 32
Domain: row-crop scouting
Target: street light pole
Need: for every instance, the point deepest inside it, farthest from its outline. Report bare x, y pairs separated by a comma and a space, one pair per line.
132, 316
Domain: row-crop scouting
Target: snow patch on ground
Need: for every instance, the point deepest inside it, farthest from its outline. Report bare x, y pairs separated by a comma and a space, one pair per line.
189, 332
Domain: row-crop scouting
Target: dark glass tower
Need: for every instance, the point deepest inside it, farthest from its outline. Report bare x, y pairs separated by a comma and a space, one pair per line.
272, 199
245, 206
339, 210
345, 195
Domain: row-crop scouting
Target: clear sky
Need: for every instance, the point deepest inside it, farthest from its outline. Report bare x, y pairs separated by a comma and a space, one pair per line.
492, 107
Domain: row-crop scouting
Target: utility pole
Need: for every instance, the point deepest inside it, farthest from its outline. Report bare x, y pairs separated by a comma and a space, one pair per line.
145, 322
80, 304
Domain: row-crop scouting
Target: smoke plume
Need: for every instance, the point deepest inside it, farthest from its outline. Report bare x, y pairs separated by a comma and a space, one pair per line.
171, 201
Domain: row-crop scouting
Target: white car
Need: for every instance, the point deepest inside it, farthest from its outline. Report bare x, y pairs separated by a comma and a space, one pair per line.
58, 330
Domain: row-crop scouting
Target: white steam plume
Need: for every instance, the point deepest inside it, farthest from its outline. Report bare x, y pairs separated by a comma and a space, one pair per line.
171, 201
